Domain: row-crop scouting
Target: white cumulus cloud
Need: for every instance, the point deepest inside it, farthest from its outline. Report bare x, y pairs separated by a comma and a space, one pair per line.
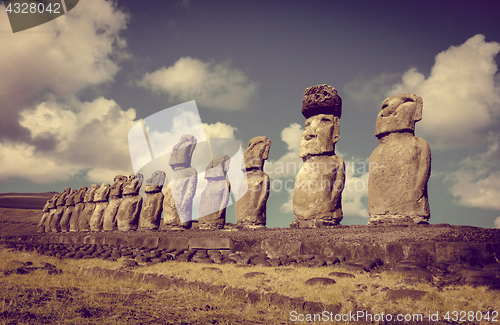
461, 97
215, 85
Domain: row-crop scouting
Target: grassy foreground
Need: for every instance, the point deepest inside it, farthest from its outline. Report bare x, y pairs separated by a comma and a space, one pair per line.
73, 298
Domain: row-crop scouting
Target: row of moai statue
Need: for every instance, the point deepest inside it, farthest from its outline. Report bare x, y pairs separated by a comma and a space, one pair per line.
120, 207
397, 188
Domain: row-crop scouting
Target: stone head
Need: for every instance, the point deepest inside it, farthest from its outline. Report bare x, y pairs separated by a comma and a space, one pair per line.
218, 167
80, 194
62, 197
52, 201
321, 99
70, 199
183, 151
133, 184
157, 178
102, 193
398, 114
117, 187
256, 153
320, 135
89, 195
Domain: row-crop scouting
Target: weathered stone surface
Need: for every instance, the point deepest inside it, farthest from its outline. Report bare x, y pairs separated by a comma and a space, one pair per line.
321, 99
318, 191
253, 192
184, 179
74, 222
152, 207
209, 243
88, 208
55, 222
400, 166
170, 215
68, 211
215, 196
129, 211
101, 200
319, 184
44, 224
115, 193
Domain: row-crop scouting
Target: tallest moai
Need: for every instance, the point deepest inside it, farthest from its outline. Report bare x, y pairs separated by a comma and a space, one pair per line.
317, 196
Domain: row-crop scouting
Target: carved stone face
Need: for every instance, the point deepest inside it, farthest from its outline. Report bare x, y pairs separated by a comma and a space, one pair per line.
399, 113
320, 135
256, 153
117, 188
218, 167
157, 178
89, 195
133, 185
102, 193
183, 151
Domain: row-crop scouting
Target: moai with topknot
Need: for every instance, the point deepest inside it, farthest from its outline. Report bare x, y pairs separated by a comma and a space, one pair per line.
253, 191
88, 208
74, 222
215, 196
101, 203
152, 207
115, 199
400, 166
182, 188
55, 222
127, 218
317, 195
69, 208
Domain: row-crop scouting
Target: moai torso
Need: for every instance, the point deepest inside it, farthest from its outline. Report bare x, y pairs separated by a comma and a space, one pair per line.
400, 166
115, 199
317, 196
127, 218
88, 208
215, 196
74, 222
253, 192
55, 223
152, 207
69, 208
101, 202
184, 181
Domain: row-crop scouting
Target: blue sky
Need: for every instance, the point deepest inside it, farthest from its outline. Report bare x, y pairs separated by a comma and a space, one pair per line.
71, 89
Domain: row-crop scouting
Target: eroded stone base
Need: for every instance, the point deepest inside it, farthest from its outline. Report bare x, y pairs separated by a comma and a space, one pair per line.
396, 220
313, 223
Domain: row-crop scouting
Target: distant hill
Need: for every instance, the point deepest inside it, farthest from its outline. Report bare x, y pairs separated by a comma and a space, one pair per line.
33, 201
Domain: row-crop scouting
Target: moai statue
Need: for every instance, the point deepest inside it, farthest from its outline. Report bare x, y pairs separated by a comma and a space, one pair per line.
254, 190
400, 166
88, 208
45, 214
69, 208
52, 211
183, 183
170, 214
55, 222
129, 211
74, 222
109, 216
101, 202
317, 196
215, 196
152, 207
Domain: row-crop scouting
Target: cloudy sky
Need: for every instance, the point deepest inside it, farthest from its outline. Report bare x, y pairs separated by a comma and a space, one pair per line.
72, 89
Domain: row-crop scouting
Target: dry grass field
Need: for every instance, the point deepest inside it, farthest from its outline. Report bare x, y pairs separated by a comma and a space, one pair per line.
71, 297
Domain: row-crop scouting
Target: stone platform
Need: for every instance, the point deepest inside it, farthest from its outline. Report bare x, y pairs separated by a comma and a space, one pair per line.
423, 244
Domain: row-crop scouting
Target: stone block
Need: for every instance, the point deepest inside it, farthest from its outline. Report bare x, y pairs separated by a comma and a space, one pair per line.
245, 245
278, 248
151, 242
210, 243
174, 243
